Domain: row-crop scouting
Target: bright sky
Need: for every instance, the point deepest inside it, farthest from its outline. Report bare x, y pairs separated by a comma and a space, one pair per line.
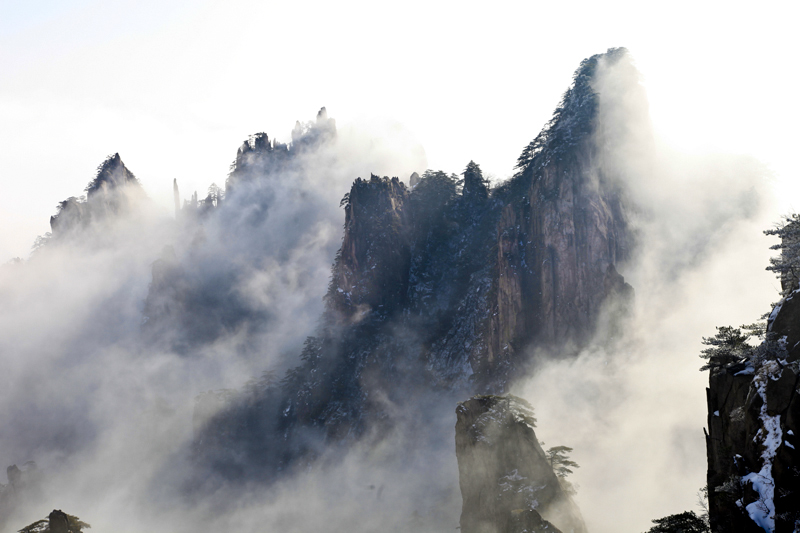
174, 86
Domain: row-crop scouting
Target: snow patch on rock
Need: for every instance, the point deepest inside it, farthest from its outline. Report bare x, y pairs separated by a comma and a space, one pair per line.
762, 511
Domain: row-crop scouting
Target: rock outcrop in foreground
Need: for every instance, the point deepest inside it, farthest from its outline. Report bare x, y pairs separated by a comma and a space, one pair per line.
507, 483
753, 421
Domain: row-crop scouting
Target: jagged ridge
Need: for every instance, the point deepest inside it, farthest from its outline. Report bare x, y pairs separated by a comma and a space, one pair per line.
448, 284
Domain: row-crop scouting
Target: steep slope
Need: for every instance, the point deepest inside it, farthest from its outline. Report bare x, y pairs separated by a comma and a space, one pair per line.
572, 214
450, 285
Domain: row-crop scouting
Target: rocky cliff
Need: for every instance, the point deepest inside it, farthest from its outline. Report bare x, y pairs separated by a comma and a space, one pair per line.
371, 269
482, 275
451, 284
569, 220
507, 483
754, 411
753, 422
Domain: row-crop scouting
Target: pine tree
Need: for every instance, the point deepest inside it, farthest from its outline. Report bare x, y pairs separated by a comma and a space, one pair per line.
215, 195
727, 347
686, 522
560, 461
475, 185
58, 521
787, 265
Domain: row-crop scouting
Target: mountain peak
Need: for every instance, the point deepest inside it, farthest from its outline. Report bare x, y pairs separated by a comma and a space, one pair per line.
111, 173
107, 192
575, 117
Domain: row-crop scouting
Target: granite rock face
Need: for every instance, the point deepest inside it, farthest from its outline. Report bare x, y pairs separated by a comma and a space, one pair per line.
448, 285
753, 421
483, 275
507, 483
373, 262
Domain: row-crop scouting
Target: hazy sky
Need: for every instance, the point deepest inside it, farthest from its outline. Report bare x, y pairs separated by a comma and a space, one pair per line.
174, 86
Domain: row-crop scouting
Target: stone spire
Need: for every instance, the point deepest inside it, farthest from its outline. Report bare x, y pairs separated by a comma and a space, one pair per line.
177, 196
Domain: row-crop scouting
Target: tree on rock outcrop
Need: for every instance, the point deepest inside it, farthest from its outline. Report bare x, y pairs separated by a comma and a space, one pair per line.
727, 347
561, 464
686, 522
57, 522
475, 185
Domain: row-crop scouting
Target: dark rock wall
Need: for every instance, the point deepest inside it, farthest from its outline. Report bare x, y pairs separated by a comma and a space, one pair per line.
373, 262
753, 423
57, 522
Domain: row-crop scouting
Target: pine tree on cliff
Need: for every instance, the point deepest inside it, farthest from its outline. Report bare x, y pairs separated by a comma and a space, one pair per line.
787, 264
430, 196
560, 461
727, 347
687, 522
573, 119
